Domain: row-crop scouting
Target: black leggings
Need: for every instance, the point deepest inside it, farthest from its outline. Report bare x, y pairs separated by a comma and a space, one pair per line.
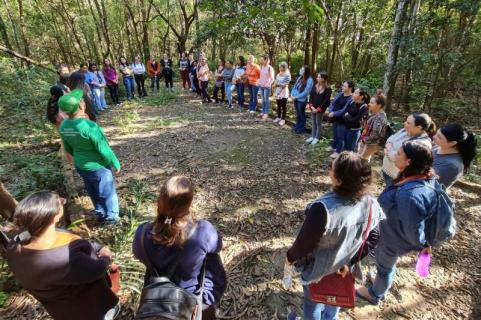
114, 93
281, 108
205, 94
216, 92
140, 81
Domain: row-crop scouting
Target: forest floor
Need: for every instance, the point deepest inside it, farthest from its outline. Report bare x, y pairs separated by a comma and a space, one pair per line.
253, 180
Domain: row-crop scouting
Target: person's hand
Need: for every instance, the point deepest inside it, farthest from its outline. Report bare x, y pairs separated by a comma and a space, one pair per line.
313, 110
117, 171
105, 252
343, 271
426, 250
331, 114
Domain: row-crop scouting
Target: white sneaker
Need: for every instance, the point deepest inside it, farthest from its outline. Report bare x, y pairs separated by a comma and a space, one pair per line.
309, 140
282, 122
315, 141
329, 149
334, 155
276, 120
252, 111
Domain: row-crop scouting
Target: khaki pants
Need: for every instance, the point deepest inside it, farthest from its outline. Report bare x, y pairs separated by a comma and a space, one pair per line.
368, 150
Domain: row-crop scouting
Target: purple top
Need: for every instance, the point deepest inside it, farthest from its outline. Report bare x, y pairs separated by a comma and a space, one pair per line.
203, 243
110, 75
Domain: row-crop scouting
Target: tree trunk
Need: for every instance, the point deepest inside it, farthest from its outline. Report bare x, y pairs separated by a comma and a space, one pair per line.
23, 58
315, 47
4, 33
307, 42
390, 73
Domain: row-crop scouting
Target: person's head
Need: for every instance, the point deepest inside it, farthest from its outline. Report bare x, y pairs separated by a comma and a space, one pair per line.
123, 60
182, 54
107, 63
350, 175
84, 67
454, 136
322, 79
76, 80
251, 59
137, 59
419, 123
360, 96
194, 63
72, 103
52, 107
173, 211
62, 69
412, 159
92, 67
306, 73
228, 64
377, 103
242, 61
203, 61
283, 67
35, 214
265, 59
379, 92
348, 87
166, 56
221, 62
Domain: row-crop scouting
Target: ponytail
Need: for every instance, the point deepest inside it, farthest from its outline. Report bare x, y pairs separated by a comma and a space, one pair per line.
466, 142
424, 121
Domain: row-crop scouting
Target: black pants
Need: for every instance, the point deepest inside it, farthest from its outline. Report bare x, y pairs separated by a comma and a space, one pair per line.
140, 81
205, 94
281, 108
216, 92
169, 83
114, 93
154, 82
209, 313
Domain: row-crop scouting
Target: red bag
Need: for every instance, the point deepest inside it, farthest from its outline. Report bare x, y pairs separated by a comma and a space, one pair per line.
114, 275
335, 290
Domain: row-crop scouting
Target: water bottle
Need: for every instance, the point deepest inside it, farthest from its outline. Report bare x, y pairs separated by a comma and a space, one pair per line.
422, 265
288, 272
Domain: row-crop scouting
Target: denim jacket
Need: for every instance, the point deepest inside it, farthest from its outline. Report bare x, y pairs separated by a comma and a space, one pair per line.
302, 95
407, 206
346, 224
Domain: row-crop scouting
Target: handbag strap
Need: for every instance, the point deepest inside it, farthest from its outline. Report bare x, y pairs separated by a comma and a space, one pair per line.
366, 232
148, 263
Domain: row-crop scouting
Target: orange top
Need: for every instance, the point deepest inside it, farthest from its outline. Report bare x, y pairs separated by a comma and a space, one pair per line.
253, 72
151, 70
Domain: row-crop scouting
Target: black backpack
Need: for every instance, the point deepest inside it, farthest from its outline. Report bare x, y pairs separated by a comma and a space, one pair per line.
162, 299
387, 133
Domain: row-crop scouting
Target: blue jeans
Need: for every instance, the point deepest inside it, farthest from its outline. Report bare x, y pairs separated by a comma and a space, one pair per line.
228, 92
240, 94
300, 107
253, 90
100, 185
339, 133
386, 259
129, 87
351, 137
192, 83
99, 97
265, 94
317, 311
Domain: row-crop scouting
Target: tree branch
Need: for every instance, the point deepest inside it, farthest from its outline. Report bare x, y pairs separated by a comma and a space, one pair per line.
24, 58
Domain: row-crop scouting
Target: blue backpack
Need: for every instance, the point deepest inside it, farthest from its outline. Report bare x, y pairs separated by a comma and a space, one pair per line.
440, 226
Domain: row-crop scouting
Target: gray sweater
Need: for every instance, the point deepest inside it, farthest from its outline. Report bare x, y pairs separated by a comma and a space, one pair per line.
448, 167
228, 74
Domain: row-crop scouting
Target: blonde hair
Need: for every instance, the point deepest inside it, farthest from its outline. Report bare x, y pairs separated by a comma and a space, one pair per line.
284, 65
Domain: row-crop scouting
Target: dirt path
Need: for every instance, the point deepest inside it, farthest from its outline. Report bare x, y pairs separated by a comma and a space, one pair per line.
253, 180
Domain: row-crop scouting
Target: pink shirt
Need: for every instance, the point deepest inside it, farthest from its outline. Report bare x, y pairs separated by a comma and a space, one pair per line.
266, 77
203, 73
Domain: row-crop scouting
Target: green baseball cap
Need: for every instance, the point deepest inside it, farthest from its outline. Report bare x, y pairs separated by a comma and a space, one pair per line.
70, 102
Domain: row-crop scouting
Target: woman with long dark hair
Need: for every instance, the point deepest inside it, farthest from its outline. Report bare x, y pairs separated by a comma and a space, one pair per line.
77, 81
127, 77
239, 80
112, 79
319, 100
355, 112
65, 273
175, 232
336, 117
408, 204
454, 154
299, 94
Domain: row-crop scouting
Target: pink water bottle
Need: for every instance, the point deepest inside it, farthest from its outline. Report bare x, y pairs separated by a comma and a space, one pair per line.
422, 266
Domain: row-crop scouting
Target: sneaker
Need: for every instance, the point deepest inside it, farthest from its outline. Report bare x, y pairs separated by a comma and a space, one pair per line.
314, 141
334, 155
276, 120
261, 115
252, 111
309, 140
330, 149
282, 122
265, 116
